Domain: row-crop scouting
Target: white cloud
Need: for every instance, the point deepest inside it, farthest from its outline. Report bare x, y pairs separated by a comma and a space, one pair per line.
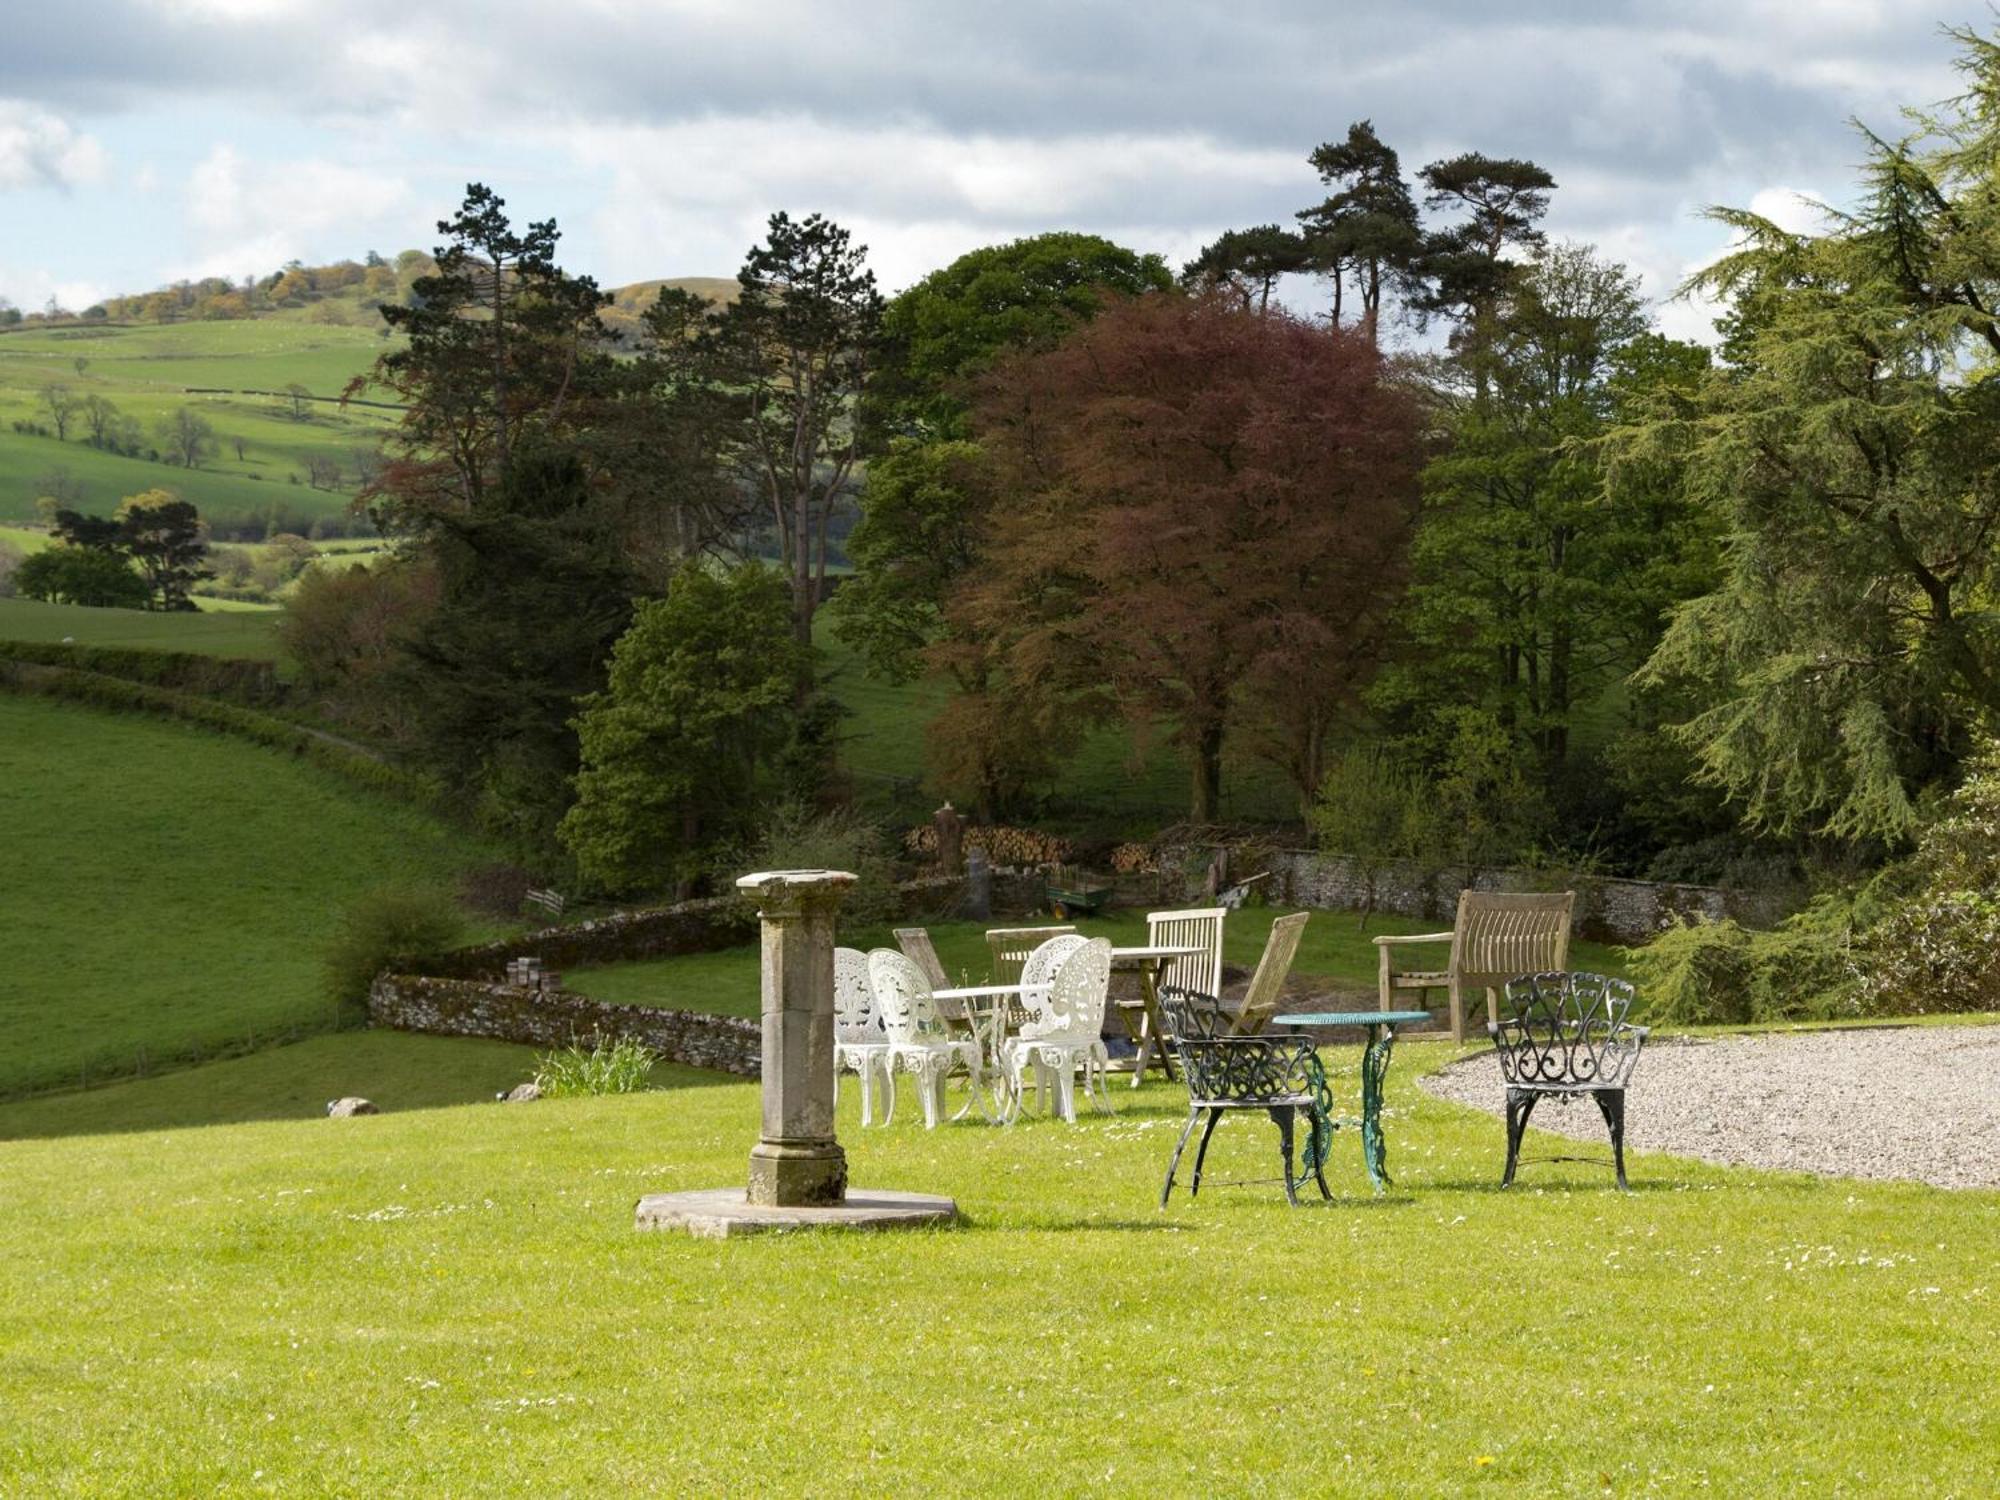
38, 149
31, 289
251, 216
693, 197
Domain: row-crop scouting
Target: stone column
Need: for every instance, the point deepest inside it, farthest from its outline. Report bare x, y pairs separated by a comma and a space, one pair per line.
798, 1163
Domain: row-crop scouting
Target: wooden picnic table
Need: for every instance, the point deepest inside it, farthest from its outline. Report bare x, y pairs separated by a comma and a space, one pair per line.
1381, 1027
1149, 1030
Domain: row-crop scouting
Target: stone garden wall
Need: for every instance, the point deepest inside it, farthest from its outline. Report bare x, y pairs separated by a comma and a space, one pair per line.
463, 993
555, 1018
1608, 910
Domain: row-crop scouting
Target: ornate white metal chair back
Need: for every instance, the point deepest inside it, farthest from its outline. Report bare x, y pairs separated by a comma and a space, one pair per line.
1038, 974
1077, 992
917, 946
902, 997
1200, 928
1012, 946
855, 1018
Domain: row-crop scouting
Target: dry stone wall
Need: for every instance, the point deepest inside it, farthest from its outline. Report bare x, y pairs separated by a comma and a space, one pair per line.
556, 1018
1608, 910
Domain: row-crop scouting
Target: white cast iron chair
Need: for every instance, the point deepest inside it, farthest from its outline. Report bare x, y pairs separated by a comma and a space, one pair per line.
919, 1042
860, 1042
1063, 1032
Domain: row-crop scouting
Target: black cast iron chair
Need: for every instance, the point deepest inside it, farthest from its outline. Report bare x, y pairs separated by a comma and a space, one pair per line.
1280, 1075
1567, 1036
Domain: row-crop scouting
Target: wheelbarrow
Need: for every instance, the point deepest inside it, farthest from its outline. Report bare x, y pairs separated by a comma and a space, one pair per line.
1066, 900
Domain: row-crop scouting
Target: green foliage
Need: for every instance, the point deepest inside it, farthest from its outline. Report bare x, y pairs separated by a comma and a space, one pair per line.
621, 1066
1025, 295
1703, 973
81, 575
1935, 945
921, 527
680, 750
395, 922
1374, 807
793, 837
533, 589
1851, 642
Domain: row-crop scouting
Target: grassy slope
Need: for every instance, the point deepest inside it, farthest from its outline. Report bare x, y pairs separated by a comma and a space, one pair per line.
456, 1302
394, 1070
243, 632
147, 370
169, 889
1334, 948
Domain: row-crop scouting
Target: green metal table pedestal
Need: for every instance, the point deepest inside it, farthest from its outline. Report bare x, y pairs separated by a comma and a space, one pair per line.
1381, 1027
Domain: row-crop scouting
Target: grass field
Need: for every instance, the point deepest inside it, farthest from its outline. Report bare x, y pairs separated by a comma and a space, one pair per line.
148, 372
394, 1070
1334, 947
241, 632
168, 889
455, 1302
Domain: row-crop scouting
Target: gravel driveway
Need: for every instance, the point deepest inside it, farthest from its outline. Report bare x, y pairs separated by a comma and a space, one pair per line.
1920, 1102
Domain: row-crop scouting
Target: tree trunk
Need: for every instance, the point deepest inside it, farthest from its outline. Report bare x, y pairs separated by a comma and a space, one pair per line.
1207, 773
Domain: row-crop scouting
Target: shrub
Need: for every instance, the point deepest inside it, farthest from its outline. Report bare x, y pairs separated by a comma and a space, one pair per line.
383, 926
1705, 973
609, 1067
1936, 944
796, 838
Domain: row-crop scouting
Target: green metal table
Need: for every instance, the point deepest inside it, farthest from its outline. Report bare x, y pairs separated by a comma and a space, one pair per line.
1381, 1025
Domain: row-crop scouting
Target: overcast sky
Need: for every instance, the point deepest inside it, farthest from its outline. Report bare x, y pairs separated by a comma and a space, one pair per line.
145, 140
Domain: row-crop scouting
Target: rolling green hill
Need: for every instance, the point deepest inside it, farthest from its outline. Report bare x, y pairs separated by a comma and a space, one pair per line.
150, 371
218, 368
172, 890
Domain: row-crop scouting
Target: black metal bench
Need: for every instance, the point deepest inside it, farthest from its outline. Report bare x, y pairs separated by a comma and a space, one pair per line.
1280, 1075
1567, 1036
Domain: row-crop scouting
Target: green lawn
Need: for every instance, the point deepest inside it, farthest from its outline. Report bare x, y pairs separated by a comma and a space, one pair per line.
1335, 947
394, 1070
455, 1302
148, 372
221, 632
168, 889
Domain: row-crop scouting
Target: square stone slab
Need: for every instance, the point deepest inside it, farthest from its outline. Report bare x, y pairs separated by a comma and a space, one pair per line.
719, 1213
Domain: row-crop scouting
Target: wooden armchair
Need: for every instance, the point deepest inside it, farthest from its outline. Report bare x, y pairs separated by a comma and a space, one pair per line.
1497, 937
1260, 1000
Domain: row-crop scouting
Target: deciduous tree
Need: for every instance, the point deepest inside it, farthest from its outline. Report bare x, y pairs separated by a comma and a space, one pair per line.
681, 749
1202, 508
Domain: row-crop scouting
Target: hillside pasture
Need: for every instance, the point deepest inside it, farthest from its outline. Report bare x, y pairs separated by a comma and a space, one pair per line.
150, 371
250, 631
172, 891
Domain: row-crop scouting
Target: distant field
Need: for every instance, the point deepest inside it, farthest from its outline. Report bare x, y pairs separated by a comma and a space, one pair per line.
147, 371
167, 888
240, 632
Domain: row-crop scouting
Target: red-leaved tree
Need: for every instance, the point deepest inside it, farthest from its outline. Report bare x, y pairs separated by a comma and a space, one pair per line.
1200, 518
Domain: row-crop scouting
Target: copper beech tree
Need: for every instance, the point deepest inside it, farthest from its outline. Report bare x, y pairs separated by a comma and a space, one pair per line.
1199, 520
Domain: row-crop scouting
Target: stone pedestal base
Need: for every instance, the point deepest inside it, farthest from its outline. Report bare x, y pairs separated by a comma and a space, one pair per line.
793, 1176
722, 1213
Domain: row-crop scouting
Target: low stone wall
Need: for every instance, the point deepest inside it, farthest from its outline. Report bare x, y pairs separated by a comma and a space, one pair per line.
691, 927
1608, 910
508, 1013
